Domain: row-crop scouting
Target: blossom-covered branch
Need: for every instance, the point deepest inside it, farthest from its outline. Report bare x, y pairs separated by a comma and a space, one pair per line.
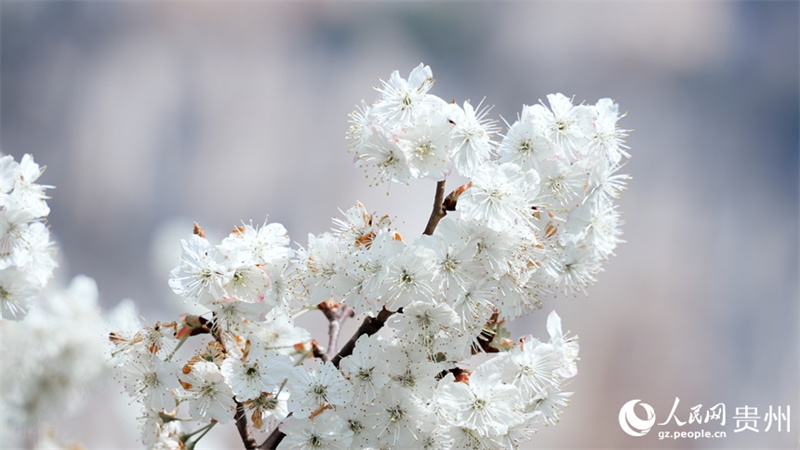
26, 252
537, 216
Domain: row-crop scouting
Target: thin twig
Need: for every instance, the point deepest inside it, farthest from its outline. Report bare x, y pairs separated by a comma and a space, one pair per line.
438, 209
204, 430
335, 327
336, 315
333, 335
369, 326
333, 312
244, 430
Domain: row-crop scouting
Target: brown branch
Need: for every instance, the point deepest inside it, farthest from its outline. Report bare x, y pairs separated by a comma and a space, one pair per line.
241, 418
438, 209
369, 326
244, 430
272, 440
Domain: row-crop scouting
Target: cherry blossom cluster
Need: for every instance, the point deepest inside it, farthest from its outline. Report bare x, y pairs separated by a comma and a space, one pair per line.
26, 252
253, 347
52, 356
53, 347
535, 216
548, 185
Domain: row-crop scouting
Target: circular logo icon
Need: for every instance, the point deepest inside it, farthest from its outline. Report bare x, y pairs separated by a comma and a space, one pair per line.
631, 423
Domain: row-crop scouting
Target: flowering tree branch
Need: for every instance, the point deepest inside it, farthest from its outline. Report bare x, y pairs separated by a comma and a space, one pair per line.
369, 326
372, 325
239, 417
538, 210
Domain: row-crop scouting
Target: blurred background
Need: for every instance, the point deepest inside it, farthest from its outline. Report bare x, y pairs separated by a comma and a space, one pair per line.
150, 116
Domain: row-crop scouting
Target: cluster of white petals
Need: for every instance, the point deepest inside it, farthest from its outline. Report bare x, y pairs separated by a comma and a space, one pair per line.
26, 252
409, 133
52, 357
551, 180
254, 345
53, 347
537, 216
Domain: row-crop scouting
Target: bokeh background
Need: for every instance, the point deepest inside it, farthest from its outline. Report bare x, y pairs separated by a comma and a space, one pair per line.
152, 115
